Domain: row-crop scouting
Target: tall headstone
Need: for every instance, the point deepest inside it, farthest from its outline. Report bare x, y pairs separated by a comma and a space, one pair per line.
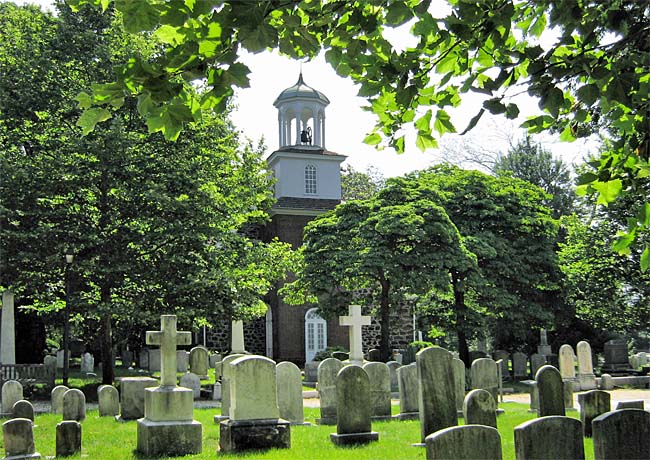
408, 392
199, 362
254, 421
12, 391
520, 365
132, 396
437, 394
49, 361
154, 360
74, 405
592, 404
459, 382
379, 375
567, 362
586, 377
8, 331
143, 358
549, 438
355, 321
289, 388
214, 359
550, 391
505, 356
237, 338
543, 348
616, 357
462, 443
109, 401
480, 408
168, 427
68, 438
483, 375
192, 382
536, 361
18, 436
23, 409
622, 435
56, 398
225, 387
328, 369
182, 360
59, 359
354, 421
393, 366
87, 363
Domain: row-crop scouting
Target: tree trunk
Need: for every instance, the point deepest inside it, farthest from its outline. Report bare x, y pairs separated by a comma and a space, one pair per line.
106, 340
384, 343
460, 310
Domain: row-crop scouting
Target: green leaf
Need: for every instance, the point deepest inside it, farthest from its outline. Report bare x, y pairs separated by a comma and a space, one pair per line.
644, 215
262, 37
424, 122
645, 259
495, 106
84, 99
91, 117
607, 191
567, 134
623, 242
472, 123
442, 123
398, 13
588, 93
512, 111
237, 74
425, 141
372, 139
138, 16
169, 35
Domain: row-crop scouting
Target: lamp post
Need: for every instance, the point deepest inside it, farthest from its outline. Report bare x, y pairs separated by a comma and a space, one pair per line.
69, 257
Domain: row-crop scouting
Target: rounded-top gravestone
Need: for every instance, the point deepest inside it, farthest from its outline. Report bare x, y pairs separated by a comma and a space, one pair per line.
23, 409
57, 398
12, 391
74, 405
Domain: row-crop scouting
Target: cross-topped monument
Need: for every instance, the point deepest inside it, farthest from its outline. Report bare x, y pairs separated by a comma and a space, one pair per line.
354, 321
167, 337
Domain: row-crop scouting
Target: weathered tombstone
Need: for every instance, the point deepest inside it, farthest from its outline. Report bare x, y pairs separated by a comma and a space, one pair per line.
18, 437
567, 362
59, 359
354, 422
193, 382
154, 360
483, 376
143, 358
459, 382
49, 361
437, 393
109, 401
480, 408
289, 388
23, 409
500, 380
592, 404
536, 361
392, 368
606, 382
633, 404
327, 372
213, 359
568, 395
616, 357
199, 362
379, 376
462, 443
408, 392
586, 376
355, 321
477, 354
216, 391
505, 356
225, 386
74, 405
374, 355
7, 330
12, 391
127, 358
182, 360
549, 438
254, 421
132, 396
168, 427
237, 346
311, 371
520, 365
56, 397
87, 364
68, 438
550, 391
622, 435
543, 348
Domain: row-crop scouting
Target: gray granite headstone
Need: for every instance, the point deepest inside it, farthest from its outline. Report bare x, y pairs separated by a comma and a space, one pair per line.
225, 384
567, 360
536, 361
379, 376
193, 382
586, 377
328, 369
143, 358
23, 409
480, 408
182, 360
550, 391
459, 382
393, 366
74, 405
550, 438
354, 414
87, 364
462, 443
68, 438
199, 362
57, 398
12, 391
289, 388
505, 356
616, 356
483, 376
592, 404
437, 394
132, 396
520, 365
109, 401
632, 404
622, 435
19, 439
408, 392
606, 382
154, 359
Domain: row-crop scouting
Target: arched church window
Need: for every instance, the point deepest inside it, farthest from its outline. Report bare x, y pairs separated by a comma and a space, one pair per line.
310, 179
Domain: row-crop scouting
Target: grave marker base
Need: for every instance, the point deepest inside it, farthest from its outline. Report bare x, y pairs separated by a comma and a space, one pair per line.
242, 435
354, 438
326, 421
408, 416
157, 439
35, 456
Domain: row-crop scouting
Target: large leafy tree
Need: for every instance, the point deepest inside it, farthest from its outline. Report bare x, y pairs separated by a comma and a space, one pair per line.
156, 227
358, 185
589, 72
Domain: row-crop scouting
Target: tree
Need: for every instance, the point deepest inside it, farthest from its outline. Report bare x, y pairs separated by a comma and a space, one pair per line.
357, 185
377, 251
593, 75
156, 227
529, 161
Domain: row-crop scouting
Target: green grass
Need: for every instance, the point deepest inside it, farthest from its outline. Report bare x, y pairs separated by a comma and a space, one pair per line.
106, 439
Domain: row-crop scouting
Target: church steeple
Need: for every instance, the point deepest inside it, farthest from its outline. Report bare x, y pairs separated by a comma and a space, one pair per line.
301, 115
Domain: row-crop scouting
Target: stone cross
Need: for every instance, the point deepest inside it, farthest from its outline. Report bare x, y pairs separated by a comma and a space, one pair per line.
167, 337
354, 321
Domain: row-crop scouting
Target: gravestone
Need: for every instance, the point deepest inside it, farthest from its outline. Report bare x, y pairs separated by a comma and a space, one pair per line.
483, 376
311, 371
143, 358
237, 346
616, 357
68, 438
633, 404
467, 442
289, 388
459, 382
127, 358
549, 438
23, 409
199, 362
568, 395
550, 390
586, 377
536, 361
393, 366
408, 392
87, 364
505, 356
132, 396
74, 405
168, 427
477, 354
354, 420
109, 401
374, 355
622, 435
59, 359
606, 382
328, 369
49, 361
18, 437
182, 360
592, 404
254, 421
225, 387
154, 360
56, 397
437, 393
480, 408
543, 348
7, 330
520, 365
379, 376
355, 321
193, 382
567, 360
341, 355
213, 359
12, 391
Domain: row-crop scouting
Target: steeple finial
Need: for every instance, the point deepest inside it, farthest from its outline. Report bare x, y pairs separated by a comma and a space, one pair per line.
300, 80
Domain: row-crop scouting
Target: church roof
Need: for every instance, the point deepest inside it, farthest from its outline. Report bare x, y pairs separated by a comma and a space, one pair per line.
310, 149
315, 204
301, 90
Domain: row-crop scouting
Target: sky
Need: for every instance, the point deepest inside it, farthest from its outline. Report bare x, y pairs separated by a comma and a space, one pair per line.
347, 123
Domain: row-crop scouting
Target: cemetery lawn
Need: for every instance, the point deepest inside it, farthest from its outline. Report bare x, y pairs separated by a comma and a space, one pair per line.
105, 439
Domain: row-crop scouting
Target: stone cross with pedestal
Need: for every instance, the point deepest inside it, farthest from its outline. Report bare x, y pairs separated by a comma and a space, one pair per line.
168, 427
354, 321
